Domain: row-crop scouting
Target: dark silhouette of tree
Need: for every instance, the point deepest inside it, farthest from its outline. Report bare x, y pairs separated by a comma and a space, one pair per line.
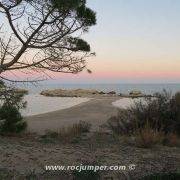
42, 35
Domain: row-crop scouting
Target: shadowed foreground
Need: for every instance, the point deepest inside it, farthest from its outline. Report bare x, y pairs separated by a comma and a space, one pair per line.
28, 156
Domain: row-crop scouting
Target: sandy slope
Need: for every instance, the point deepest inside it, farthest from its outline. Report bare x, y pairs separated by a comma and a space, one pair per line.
95, 111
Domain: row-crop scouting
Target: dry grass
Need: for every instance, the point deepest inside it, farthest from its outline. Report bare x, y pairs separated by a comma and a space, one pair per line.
69, 134
148, 137
172, 140
75, 129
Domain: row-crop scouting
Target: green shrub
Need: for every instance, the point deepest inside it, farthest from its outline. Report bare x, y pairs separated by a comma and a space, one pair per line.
87, 172
161, 112
11, 120
2, 85
171, 140
165, 176
86, 175
177, 99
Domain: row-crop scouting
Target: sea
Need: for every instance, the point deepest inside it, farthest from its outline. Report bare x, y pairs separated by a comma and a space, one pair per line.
119, 88
38, 104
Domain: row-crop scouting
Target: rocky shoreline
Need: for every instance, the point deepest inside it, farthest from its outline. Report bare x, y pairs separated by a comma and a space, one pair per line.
68, 93
89, 93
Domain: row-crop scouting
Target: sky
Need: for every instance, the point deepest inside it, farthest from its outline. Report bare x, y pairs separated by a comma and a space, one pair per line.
136, 41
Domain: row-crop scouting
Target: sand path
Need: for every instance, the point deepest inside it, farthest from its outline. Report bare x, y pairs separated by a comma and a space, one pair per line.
96, 111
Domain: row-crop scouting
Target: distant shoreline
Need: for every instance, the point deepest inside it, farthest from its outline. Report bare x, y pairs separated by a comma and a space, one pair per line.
123, 88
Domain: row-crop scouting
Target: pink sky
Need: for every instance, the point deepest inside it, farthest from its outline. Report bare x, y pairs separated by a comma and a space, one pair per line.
135, 41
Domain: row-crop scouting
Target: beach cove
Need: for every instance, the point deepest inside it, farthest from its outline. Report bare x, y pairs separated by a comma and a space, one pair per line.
95, 111
54, 109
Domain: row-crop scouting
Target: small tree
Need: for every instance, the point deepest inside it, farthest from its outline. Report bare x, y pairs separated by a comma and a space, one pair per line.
1, 84
40, 35
11, 120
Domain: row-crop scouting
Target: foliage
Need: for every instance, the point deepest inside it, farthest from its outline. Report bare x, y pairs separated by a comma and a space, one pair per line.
11, 97
86, 175
11, 120
147, 137
2, 84
49, 30
6, 175
165, 176
171, 140
87, 172
161, 112
67, 134
122, 123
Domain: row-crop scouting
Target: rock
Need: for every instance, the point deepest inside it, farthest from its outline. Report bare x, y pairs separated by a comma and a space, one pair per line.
68, 93
135, 93
101, 92
111, 92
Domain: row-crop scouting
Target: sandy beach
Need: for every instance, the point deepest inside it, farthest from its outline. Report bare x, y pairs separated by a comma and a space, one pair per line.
96, 111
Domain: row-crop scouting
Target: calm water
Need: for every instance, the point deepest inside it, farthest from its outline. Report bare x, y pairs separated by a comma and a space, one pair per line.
37, 104
119, 88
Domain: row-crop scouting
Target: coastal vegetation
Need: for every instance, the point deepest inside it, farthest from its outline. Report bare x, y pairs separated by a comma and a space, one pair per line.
87, 174
11, 120
67, 134
165, 176
152, 121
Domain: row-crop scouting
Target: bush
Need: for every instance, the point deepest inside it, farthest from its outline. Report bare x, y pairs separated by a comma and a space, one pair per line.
148, 137
123, 123
87, 172
162, 113
171, 140
75, 130
2, 85
11, 120
86, 175
165, 176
